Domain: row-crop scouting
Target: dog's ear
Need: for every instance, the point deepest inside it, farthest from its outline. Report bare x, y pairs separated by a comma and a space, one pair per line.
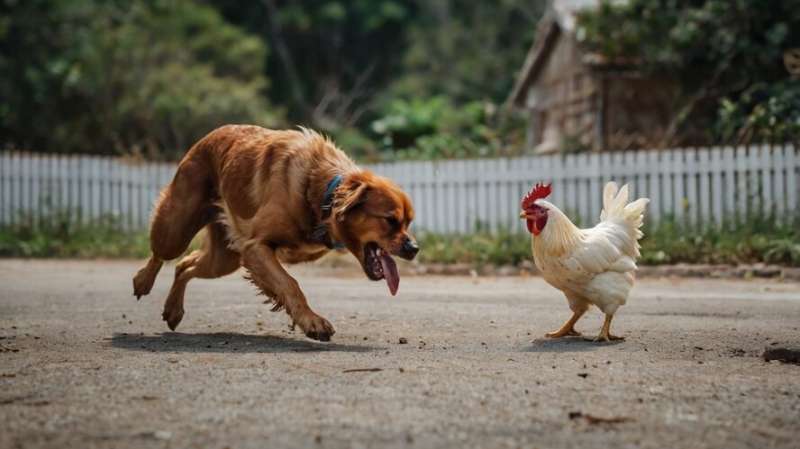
349, 195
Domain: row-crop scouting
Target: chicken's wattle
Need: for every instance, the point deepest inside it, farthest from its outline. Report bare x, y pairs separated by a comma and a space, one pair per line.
537, 224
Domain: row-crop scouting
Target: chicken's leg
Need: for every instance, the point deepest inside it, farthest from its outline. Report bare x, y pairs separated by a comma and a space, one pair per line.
605, 332
568, 329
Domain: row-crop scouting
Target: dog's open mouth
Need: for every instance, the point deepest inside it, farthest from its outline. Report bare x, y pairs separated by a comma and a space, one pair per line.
378, 264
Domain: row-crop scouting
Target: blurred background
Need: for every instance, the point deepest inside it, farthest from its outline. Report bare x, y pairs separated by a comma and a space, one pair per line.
464, 103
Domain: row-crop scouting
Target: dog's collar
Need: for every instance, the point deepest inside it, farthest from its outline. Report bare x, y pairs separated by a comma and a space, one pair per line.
321, 232
327, 199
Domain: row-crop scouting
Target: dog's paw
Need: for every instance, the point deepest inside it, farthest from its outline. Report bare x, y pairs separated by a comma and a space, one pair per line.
142, 283
173, 317
316, 327
145, 278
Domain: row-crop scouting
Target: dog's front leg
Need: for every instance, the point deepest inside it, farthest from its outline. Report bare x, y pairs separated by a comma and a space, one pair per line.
270, 276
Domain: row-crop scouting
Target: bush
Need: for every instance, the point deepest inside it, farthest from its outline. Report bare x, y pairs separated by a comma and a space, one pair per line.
759, 239
433, 128
476, 249
763, 113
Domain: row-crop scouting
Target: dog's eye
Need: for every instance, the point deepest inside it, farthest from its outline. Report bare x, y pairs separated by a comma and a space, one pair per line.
393, 222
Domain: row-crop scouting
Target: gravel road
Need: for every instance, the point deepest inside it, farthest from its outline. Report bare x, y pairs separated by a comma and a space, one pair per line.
84, 365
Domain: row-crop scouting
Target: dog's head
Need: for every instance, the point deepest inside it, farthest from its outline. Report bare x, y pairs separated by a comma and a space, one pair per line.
371, 216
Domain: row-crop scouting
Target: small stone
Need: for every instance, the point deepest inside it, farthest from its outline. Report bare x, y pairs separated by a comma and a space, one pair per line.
162, 435
403, 341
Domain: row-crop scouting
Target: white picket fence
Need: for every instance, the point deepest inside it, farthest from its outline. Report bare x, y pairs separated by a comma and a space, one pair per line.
703, 187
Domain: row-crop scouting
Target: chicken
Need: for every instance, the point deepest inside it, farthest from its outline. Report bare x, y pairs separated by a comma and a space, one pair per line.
591, 266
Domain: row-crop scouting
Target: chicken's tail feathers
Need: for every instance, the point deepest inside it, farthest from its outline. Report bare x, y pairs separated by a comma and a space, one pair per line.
634, 215
614, 200
609, 193
617, 208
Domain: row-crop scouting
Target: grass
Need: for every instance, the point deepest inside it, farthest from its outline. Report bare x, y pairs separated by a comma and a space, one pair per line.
479, 249
759, 239
59, 237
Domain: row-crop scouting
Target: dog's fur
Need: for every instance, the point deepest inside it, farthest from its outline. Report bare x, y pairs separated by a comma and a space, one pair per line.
258, 193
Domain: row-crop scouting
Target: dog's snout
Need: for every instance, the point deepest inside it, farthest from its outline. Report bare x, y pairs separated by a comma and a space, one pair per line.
409, 249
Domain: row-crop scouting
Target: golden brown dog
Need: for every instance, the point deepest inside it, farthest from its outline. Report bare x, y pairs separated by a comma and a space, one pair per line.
267, 197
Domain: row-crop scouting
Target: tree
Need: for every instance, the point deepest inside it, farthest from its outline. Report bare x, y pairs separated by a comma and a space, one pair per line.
331, 56
109, 77
467, 50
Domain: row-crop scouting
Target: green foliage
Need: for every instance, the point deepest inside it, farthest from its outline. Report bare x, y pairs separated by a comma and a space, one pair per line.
759, 239
466, 50
58, 236
152, 76
113, 77
478, 249
763, 113
715, 49
331, 56
434, 128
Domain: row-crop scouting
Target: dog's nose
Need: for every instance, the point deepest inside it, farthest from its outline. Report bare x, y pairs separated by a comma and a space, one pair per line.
409, 249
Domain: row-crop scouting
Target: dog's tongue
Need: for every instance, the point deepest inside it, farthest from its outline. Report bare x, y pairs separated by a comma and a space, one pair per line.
390, 272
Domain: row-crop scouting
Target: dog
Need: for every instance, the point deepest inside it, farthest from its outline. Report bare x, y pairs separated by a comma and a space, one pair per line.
269, 197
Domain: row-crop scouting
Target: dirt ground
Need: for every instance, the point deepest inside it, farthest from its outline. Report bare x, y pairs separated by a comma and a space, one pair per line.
84, 365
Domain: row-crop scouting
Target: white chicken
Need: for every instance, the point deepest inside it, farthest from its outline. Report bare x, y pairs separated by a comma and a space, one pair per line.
591, 266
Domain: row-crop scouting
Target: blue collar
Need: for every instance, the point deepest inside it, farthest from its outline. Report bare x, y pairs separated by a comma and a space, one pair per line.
321, 233
327, 199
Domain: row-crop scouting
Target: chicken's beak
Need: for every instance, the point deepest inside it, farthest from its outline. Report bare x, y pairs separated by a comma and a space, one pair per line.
522, 214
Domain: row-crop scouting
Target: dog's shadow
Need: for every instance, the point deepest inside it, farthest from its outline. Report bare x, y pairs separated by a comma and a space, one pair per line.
566, 344
228, 342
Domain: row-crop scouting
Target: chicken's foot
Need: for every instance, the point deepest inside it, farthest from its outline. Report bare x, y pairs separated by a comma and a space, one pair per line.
568, 329
605, 332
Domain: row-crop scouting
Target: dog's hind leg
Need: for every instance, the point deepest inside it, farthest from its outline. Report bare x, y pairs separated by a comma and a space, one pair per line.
214, 259
146, 276
184, 207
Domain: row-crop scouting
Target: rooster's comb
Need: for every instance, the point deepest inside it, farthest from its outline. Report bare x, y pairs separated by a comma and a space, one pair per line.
538, 191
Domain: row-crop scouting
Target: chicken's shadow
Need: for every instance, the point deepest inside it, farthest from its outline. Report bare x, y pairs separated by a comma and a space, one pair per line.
566, 344
229, 342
